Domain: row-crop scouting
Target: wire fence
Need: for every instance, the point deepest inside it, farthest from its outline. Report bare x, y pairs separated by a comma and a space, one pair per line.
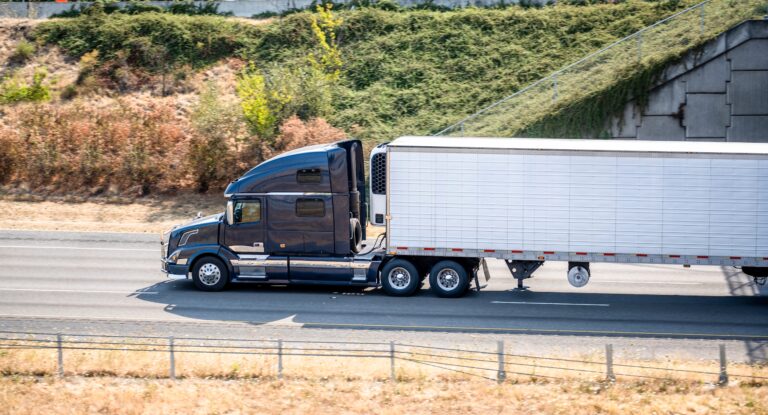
162, 357
600, 70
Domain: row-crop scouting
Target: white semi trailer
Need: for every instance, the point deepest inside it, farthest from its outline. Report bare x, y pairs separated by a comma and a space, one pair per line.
528, 201
450, 203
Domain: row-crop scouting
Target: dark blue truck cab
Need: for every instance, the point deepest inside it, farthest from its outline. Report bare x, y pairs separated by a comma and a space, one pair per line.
296, 218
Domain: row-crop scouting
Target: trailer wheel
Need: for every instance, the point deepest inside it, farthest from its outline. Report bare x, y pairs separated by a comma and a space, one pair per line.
449, 279
400, 278
210, 274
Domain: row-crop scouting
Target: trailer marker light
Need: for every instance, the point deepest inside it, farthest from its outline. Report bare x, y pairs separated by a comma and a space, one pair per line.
516, 252
457, 249
402, 248
608, 254
735, 257
429, 249
642, 255
549, 252
581, 253
702, 257
489, 250
674, 256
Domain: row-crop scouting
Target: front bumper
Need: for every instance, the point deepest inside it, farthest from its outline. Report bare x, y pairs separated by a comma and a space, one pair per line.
175, 271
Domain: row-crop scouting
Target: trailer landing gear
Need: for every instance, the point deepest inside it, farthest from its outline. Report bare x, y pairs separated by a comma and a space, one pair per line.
522, 270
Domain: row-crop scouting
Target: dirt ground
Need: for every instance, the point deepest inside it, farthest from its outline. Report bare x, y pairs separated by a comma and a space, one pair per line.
150, 215
145, 215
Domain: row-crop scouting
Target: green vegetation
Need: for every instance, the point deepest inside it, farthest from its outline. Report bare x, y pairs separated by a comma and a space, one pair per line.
23, 51
138, 7
271, 95
12, 90
407, 72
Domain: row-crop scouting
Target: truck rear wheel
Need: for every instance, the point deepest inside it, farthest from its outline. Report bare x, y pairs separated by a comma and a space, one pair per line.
448, 279
400, 278
210, 274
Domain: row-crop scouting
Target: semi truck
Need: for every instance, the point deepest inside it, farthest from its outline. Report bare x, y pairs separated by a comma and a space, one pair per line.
447, 204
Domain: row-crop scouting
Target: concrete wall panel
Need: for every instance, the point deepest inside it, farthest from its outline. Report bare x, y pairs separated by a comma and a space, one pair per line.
708, 78
660, 127
626, 125
706, 115
750, 55
748, 93
724, 89
666, 100
749, 128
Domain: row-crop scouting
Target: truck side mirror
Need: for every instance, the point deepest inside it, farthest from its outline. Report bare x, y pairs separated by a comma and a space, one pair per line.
230, 212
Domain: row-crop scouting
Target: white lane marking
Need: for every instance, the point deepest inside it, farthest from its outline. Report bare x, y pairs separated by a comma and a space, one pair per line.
79, 291
648, 282
77, 247
285, 322
562, 304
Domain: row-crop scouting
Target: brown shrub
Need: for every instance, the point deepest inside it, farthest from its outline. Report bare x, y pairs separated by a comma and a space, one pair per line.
138, 146
80, 144
295, 133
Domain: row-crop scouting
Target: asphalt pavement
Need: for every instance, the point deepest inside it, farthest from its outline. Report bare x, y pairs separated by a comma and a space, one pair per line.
107, 283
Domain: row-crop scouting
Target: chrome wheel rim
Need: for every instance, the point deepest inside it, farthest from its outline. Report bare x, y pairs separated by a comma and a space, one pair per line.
399, 278
447, 279
209, 274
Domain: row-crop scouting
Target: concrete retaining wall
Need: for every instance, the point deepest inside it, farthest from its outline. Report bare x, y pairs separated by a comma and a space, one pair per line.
719, 93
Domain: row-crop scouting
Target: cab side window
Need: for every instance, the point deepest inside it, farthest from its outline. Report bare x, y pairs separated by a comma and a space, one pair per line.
247, 211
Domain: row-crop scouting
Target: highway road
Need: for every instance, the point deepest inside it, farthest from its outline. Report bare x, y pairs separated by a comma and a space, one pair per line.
111, 284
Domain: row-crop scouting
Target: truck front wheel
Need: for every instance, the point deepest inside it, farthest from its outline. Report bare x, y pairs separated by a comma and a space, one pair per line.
210, 274
400, 278
448, 279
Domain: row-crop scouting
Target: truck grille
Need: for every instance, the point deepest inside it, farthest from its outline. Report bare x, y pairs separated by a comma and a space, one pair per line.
379, 174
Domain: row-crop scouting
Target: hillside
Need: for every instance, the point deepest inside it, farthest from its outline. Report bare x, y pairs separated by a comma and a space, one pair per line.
154, 102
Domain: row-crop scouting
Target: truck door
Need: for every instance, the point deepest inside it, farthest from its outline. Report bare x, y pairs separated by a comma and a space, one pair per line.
244, 234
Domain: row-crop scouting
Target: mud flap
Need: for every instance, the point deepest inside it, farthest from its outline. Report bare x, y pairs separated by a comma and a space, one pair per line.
487, 275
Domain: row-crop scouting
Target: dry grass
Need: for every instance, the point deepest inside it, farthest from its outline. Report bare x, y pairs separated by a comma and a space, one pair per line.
31, 395
134, 383
300, 362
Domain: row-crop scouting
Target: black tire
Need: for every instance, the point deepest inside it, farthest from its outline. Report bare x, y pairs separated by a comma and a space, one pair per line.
210, 274
400, 278
448, 279
356, 235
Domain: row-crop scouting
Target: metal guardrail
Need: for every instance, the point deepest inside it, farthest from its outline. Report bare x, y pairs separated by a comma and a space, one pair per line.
484, 364
666, 38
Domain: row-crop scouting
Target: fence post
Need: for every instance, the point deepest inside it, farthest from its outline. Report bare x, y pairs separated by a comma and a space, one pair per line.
173, 358
723, 378
60, 355
609, 376
462, 129
501, 374
280, 359
392, 358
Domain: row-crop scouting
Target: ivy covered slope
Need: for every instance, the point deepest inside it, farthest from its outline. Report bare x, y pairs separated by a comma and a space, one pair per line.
402, 71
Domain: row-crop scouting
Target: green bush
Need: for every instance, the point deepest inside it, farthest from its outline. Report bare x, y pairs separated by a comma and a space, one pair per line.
23, 51
403, 72
13, 91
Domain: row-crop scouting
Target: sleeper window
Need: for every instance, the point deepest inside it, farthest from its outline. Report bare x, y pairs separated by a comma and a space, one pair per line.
310, 208
308, 176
